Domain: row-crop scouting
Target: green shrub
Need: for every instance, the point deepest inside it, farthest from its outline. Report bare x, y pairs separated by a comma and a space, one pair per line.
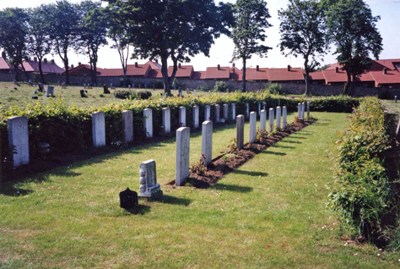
361, 192
220, 86
125, 94
143, 95
274, 88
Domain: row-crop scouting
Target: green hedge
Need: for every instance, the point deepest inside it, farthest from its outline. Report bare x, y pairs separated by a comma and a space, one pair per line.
68, 128
362, 192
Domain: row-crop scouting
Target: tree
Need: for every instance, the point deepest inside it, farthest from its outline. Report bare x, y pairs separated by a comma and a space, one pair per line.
63, 30
13, 35
303, 32
249, 30
92, 33
39, 42
352, 28
170, 29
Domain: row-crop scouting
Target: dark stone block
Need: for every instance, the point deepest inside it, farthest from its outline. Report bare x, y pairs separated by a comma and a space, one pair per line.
128, 199
106, 90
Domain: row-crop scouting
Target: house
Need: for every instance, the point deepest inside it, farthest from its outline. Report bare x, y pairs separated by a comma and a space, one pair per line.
5, 67
285, 75
217, 73
48, 67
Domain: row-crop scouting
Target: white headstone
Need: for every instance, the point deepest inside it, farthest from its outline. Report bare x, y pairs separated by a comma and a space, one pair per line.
263, 120
166, 119
299, 111
278, 118
148, 122
271, 119
127, 122
247, 110
240, 131
217, 113
206, 142
50, 91
226, 112
207, 112
182, 155
233, 112
308, 110
148, 180
259, 108
182, 116
253, 127
196, 118
303, 109
284, 111
98, 129
264, 106
18, 140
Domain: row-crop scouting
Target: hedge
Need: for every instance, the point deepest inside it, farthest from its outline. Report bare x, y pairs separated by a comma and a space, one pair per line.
68, 128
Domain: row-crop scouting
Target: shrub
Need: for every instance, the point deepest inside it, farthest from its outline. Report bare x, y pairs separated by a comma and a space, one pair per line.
124, 94
361, 192
274, 88
143, 95
220, 86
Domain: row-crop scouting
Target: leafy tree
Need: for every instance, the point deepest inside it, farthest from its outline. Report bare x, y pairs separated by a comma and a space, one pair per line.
249, 30
172, 29
13, 35
303, 33
63, 30
92, 32
39, 42
352, 28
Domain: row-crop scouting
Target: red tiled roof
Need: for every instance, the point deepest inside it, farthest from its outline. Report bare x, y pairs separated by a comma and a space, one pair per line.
319, 75
254, 74
153, 65
391, 77
184, 71
47, 67
4, 65
137, 70
283, 74
83, 70
331, 76
199, 75
222, 72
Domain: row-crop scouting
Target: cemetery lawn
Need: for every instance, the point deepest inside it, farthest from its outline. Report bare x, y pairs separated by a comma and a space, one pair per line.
270, 213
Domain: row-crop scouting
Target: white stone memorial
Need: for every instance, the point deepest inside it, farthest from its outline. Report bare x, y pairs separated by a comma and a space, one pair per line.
240, 131
196, 116
148, 122
207, 112
226, 112
303, 109
284, 113
263, 120
98, 129
206, 140
127, 122
308, 110
148, 181
299, 111
18, 140
182, 116
253, 127
258, 108
247, 110
278, 118
166, 120
182, 155
271, 119
233, 112
217, 110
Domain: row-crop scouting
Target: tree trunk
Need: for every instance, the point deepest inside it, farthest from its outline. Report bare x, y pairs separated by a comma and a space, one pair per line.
347, 84
164, 72
94, 74
307, 82
244, 75
41, 71
65, 60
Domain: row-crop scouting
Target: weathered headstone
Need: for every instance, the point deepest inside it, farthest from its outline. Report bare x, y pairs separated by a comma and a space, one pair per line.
148, 181
263, 120
247, 110
303, 110
148, 122
217, 113
271, 119
258, 108
253, 127
225, 112
166, 120
278, 117
308, 110
105, 89
264, 106
182, 155
233, 112
18, 140
83, 93
182, 116
284, 112
395, 98
50, 91
128, 199
207, 112
98, 129
206, 140
127, 122
299, 111
240, 131
196, 118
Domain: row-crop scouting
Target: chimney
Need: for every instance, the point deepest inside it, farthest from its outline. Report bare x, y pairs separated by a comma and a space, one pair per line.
72, 66
289, 68
337, 69
385, 71
45, 60
136, 64
218, 67
258, 68
179, 65
35, 59
233, 65
79, 63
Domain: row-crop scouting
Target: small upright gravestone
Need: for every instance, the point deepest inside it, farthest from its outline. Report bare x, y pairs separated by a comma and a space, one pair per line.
18, 140
226, 112
308, 110
253, 130
278, 117
207, 112
247, 110
299, 111
195, 113
240, 131
263, 120
166, 119
182, 155
395, 98
217, 113
105, 89
127, 122
206, 141
98, 129
128, 199
284, 113
182, 116
233, 112
148, 181
50, 91
271, 119
148, 122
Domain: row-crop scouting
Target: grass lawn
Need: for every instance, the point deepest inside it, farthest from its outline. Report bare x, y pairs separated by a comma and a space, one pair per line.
270, 213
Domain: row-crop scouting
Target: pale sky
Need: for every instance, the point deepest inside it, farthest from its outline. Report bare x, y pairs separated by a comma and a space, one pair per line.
221, 51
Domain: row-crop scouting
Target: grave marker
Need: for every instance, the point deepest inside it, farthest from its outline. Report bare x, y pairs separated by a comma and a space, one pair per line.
308, 110
206, 144
271, 119
182, 155
263, 120
148, 122
240, 131
50, 91
253, 127
247, 110
195, 112
18, 140
233, 112
217, 113
98, 129
225, 112
166, 119
207, 112
127, 121
182, 116
148, 181
284, 111
278, 117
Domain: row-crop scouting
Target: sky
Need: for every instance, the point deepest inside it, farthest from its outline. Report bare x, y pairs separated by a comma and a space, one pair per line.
221, 51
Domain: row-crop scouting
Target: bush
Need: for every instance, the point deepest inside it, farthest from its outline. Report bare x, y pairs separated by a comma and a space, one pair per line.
274, 88
220, 86
144, 95
361, 192
125, 94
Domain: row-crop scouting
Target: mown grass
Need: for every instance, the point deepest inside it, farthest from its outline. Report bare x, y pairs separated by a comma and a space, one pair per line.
270, 213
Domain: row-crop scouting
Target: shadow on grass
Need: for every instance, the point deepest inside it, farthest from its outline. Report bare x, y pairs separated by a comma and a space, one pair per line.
139, 210
279, 145
232, 188
167, 199
274, 153
250, 173
291, 141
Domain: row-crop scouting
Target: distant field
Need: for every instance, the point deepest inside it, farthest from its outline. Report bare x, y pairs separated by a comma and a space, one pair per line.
11, 94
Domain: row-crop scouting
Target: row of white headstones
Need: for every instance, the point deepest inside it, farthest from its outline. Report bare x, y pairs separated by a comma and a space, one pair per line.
18, 132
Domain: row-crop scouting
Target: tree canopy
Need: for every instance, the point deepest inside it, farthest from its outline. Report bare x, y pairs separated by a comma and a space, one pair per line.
250, 22
303, 33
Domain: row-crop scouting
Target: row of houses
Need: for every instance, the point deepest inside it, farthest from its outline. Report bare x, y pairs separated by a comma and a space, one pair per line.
382, 73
